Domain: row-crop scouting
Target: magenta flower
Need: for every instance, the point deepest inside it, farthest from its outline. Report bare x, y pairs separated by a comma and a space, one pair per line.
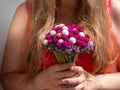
64, 37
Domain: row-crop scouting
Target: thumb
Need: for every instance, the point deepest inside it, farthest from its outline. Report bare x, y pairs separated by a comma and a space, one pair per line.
77, 69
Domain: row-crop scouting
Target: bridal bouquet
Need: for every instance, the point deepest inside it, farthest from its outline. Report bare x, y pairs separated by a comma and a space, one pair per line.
66, 42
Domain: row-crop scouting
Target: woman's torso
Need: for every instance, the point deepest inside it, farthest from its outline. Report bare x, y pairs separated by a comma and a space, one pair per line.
84, 60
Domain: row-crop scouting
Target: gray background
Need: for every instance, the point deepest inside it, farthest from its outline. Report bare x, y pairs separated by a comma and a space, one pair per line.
7, 9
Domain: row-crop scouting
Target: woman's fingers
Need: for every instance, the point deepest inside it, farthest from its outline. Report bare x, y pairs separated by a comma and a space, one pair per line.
77, 69
62, 67
65, 74
72, 81
75, 80
82, 75
80, 71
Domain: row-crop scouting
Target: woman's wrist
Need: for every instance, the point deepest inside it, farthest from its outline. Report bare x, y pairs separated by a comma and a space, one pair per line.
101, 81
109, 81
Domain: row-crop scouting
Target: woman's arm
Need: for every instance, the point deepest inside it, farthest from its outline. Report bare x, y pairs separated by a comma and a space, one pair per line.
110, 81
13, 71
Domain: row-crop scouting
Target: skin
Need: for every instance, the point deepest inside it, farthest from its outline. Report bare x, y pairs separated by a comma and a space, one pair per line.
59, 77
115, 15
67, 12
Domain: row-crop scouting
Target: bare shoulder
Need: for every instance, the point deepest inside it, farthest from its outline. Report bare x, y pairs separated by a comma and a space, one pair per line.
115, 16
20, 15
115, 10
12, 61
116, 4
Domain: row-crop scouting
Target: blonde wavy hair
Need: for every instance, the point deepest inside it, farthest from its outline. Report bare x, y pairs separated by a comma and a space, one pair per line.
93, 14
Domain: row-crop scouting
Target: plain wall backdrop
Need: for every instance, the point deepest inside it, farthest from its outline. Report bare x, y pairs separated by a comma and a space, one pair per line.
7, 10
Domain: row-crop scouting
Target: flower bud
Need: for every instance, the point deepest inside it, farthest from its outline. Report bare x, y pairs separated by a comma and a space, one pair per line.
60, 40
65, 32
72, 39
65, 28
82, 34
45, 42
53, 32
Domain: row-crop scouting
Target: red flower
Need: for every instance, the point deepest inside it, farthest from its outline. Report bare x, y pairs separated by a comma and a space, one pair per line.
87, 39
59, 31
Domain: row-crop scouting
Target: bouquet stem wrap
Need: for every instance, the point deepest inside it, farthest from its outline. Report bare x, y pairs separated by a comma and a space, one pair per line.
65, 57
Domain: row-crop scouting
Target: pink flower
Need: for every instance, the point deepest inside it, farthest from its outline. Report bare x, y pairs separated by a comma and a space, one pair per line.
75, 31
71, 34
50, 41
65, 37
55, 41
64, 44
59, 35
58, 44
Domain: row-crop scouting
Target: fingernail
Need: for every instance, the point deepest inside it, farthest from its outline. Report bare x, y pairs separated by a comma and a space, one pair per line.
65, 81
72, 67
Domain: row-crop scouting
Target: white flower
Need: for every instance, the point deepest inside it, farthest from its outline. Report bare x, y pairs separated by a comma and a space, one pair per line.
45, 42
60, 25
82, 34
65, 28
60, 40
65, 32
72, 39
53, 32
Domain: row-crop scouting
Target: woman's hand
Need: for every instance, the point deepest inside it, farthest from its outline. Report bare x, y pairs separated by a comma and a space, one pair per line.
51, 78
84, 80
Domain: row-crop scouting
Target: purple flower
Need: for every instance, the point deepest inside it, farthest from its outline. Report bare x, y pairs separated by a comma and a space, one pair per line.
55, 41
64, 44
64, 37
82, 43
48, 36
71, 34
81, 38
70, 44
49, 41
58, 44
77, 36
76, 32
57, 27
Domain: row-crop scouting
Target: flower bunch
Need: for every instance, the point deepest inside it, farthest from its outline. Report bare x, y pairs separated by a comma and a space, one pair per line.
66, 42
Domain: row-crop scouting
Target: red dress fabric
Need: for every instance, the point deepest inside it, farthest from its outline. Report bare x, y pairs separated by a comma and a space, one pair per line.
84, 60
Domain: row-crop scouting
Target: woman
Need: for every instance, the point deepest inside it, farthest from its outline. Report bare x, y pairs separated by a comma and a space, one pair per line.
27, 31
